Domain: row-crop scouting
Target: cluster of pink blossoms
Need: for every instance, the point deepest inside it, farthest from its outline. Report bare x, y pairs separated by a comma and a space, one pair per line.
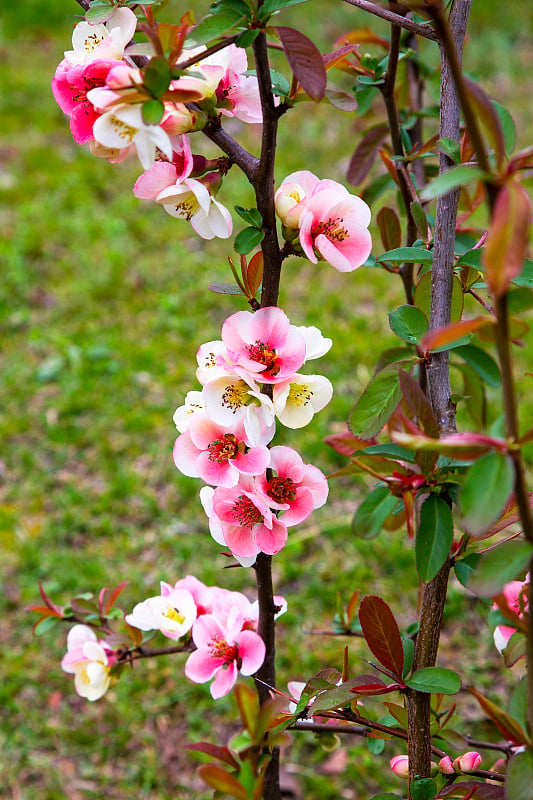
222, 625
98, 85
254, 493
467, 762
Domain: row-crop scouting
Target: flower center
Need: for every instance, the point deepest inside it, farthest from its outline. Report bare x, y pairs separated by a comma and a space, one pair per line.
124, 130
299, 394
263, 354
188, 207
223, 449
235, 396
282, 490
245, 513
221, 649
333, 230
92, 41
175, 616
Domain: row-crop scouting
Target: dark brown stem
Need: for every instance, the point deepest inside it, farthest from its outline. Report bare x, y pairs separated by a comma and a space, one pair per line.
144, 652
214, 131
408, 24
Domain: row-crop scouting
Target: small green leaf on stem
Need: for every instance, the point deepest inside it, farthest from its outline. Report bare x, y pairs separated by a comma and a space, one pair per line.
453, 179
408, 323
434, 680
434, 537
486, 489
152, 112
498, 566
519, 779
369, 517
247, 239
376, 403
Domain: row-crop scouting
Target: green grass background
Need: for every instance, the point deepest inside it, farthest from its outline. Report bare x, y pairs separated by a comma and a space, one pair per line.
103, 304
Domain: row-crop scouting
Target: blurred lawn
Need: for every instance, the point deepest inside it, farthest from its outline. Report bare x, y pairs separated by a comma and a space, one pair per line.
103, 304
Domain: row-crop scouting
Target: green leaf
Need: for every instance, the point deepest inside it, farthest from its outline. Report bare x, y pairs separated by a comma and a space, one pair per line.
422, 297
369, 517
517, 707
450, 148
45, 624
423, 789
376, 403
434, 537
250, 215
499, 566
486, 489
480, 361
246, 38
458, 176
410, 255
214, 26
519, 779
247, 239
224, 288
270, 6
336, 697
408, 323
421, 221
152, 112
465, 567
434, 679
515, 649
508, 127
157, 76
375, 746
526, 276
389, 449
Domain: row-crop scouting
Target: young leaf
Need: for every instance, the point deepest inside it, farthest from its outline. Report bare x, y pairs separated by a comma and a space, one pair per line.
365, 154
423, 789
408, 323
421, 221
483, 363
214, 26
99, 13
422, 297
454, 332
450, 148
254, 273
369, 517
418, 403
157, 77
249, 215
499, 566
215, 751
434, 680
376, 403
519, 778
485, 111
389, 228
152, 112
410, 255
224, 288
465, 567
487, 487
247, 239
458, 176
503, 721
269, 6
507, 240
305, 61
381, 633
217, 778
434, 537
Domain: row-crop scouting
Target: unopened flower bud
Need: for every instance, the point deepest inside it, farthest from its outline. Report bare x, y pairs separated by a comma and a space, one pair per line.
400, 766
446, 766
467, 762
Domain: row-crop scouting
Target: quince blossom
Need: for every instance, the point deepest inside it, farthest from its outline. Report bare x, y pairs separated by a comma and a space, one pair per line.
228, 398
223, 649
172, 612
515, 594
218, 454
123, 126
92, 42
297, 488
297, 400
192, 200
184, 414
89, 661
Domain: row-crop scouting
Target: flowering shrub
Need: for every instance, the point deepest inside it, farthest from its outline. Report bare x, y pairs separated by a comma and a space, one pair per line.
453, 491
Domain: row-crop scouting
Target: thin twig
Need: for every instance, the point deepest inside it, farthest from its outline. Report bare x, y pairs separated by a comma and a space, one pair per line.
404, 22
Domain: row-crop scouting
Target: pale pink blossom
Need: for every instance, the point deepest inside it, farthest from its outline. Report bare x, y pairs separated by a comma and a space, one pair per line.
291, 486
229, 398
89, 661
177, 119
184, 414
163, 174
400, 766
172, 612
298, 399
316, 345
218, 454
92, 42
192, 200
334, 226
468, 762
208, 361
263, 346
223, 649
445, 766
516, 597
292, 197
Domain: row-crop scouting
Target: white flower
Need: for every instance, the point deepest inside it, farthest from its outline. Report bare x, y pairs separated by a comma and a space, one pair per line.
192, 201
207, 358
88, 661
297, 400
183, 415
92, 42
229, 398
123, 126
172, 613
316, 345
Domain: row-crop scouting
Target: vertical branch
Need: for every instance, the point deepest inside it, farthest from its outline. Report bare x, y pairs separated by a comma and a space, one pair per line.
439, 392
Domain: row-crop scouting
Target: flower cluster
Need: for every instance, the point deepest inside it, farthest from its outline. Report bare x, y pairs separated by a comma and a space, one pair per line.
90, 661
222, 625
98, 85
324, 221
254, 493
467, 762
513, 603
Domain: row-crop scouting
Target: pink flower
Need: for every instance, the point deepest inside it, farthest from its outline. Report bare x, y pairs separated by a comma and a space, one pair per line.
264, 346
445, 766
334, 226
298, 399
217, 454
70, 85
192, 200
241, 519
92, 42
89, 661
223, 649
291, 199
163, 174
400, 766
468, 762
296, 488
515, 595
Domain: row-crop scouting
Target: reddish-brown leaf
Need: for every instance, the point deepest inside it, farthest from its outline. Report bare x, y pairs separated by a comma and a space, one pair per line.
418, 403
507, 239
217, 778
450, 333
382, 633
254, 274
365, 154
490, 120
111, 596
346, 443
305, 60
215, 751
507, 726
362, 36
509, 516
390, 166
